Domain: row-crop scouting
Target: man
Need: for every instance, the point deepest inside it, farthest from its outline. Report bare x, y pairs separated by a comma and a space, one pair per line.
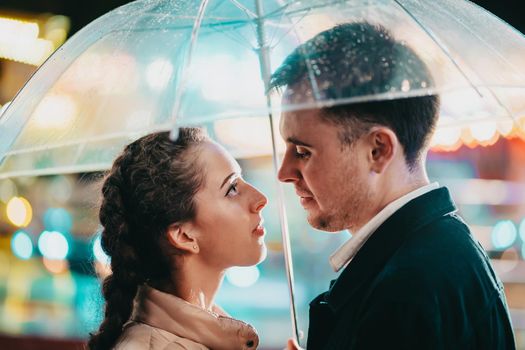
413, 277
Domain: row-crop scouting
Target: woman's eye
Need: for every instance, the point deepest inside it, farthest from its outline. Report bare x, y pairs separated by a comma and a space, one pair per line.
232, 190
301, 153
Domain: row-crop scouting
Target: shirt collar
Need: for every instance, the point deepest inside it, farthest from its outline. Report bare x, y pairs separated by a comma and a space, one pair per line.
349, 249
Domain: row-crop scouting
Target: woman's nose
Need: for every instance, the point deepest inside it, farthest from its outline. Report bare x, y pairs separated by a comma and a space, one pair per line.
259, 201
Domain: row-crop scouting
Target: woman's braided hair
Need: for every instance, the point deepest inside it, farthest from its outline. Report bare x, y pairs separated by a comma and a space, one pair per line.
150, 186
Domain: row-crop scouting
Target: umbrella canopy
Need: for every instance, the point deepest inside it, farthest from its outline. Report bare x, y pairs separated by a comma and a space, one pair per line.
151, 65
160, 64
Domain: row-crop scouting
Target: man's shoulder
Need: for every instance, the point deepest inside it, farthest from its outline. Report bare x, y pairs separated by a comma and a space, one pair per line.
441, 258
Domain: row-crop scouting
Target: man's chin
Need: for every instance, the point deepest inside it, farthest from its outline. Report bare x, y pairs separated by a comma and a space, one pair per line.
323, 223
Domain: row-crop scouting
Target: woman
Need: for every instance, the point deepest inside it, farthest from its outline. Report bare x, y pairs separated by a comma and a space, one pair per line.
175, 215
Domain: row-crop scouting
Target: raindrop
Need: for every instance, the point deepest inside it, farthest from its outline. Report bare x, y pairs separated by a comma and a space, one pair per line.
405, 85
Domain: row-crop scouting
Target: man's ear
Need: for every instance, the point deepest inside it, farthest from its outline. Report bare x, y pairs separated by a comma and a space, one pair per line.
180, 237
383, 144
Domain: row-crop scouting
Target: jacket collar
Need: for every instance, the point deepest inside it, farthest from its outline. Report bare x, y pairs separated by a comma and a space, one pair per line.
214, 330
385, 241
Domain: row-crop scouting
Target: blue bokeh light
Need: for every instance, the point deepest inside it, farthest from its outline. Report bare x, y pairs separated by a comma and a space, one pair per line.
22, 245
58, 219
98, 252
243, 276
522, 231
504, 234
53, 245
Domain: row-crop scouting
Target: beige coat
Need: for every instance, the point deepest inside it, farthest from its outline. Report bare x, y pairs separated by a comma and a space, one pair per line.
163, 321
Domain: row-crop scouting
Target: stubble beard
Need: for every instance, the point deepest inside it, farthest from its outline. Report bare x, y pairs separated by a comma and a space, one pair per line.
348, 212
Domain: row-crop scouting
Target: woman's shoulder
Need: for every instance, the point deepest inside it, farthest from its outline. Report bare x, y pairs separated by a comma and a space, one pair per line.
140, 336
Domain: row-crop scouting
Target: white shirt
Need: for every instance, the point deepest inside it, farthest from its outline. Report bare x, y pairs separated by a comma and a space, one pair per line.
349, 249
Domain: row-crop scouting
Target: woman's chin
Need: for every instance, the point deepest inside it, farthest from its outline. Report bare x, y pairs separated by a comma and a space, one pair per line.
256, 258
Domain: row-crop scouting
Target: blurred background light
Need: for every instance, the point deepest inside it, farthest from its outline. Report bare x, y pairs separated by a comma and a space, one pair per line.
158, 73
243, 276
55, 266
19, 211
246, 137
227, 79
58, 219
11, 29
19, 42
98, 252
32, 41
55, 112
483, 131
22, 245
522, 231
505, 127
53, 245
504, 234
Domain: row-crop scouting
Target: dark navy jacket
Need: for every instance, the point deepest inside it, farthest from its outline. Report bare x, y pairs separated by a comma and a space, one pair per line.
420, 282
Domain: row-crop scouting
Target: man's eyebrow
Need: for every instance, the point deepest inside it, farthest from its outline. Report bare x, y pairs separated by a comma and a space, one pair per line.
228, 178
297, 142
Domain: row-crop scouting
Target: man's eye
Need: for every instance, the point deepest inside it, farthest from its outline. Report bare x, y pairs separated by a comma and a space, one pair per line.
301, 153
232, 190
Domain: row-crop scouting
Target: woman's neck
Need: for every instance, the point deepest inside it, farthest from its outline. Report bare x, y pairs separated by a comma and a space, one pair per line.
196, 283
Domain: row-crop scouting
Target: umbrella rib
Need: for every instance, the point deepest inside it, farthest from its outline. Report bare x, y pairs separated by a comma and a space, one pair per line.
186, 65
449, 55
93, 139
243, 9
289, 30
439, 44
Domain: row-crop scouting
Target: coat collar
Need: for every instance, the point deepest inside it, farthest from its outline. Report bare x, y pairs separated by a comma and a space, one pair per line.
214, 330
385, 241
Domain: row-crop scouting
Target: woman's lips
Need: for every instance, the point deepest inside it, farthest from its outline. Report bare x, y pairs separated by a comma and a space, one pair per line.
259, 230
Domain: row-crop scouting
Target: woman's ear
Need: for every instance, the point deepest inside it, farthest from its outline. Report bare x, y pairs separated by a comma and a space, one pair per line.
180, 237
383, 146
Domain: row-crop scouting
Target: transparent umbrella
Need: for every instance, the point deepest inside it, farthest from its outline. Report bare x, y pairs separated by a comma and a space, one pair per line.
160, 64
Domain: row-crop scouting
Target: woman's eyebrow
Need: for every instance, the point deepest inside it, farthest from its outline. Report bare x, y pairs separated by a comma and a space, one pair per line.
227, 178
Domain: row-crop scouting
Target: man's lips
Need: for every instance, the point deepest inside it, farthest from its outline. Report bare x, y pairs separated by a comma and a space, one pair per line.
303, 194
304, 197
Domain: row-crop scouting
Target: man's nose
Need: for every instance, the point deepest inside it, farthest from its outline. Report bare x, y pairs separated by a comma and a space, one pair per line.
287, 172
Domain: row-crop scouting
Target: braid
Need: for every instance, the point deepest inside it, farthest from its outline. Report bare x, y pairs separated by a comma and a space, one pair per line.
150, 186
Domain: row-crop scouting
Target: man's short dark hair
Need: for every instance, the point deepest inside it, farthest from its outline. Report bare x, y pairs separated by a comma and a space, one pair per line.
361, 59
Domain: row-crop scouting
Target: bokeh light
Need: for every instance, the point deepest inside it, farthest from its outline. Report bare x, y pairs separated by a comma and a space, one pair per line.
483, 131
22, 245
55, 266
522, 231
19, 211
243, 276
58, 219
53, 245
98, 252
504, 234
158, 73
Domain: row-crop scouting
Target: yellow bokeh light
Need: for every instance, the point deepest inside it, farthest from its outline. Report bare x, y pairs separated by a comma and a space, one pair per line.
19, 211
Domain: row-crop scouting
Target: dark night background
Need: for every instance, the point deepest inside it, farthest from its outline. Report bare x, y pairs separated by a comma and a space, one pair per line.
83, 12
